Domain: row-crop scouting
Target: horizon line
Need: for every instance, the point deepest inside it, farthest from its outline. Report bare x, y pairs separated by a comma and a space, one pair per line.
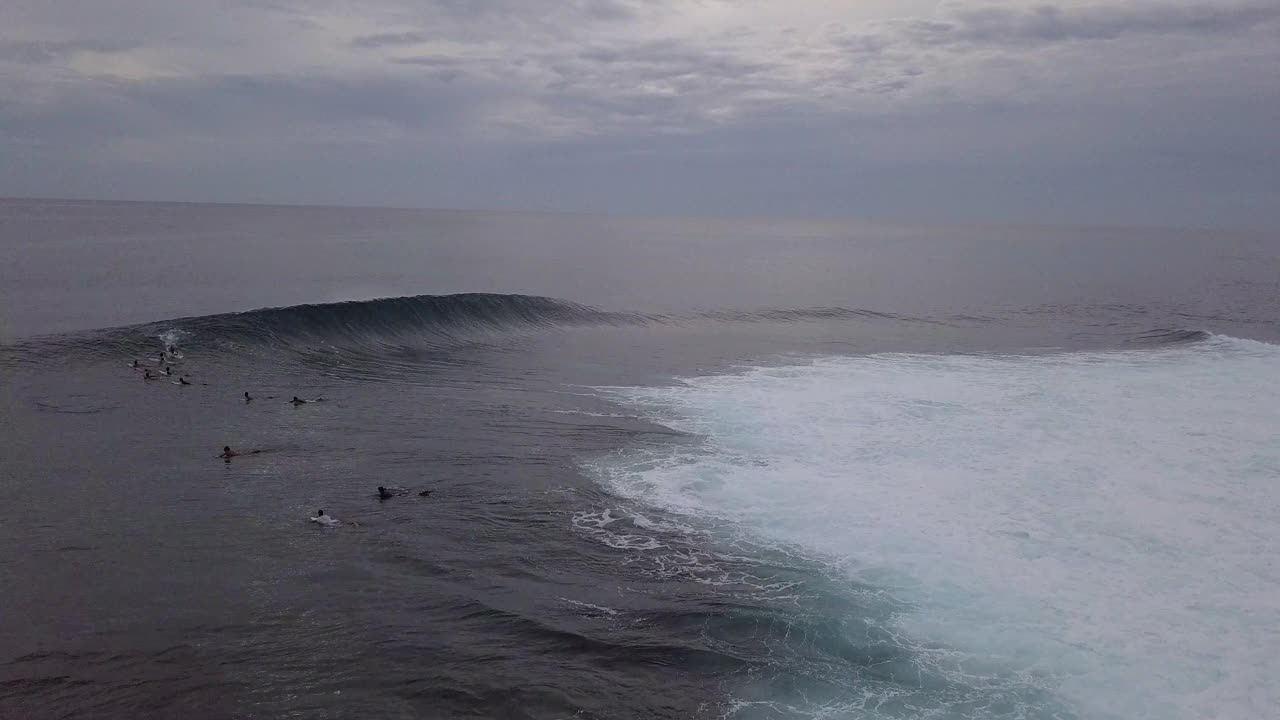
898, 222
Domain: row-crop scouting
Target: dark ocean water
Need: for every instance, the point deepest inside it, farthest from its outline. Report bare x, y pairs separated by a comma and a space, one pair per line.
680, 468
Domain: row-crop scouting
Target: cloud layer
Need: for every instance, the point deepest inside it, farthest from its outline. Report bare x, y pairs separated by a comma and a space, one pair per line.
1160, 112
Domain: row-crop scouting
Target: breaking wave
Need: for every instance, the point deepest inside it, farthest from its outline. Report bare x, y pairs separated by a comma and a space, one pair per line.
442, 322
424, 321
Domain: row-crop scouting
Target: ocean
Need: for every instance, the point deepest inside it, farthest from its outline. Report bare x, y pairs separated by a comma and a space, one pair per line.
680, 468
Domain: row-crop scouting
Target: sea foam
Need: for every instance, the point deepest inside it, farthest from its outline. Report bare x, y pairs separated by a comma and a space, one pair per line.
1102, 525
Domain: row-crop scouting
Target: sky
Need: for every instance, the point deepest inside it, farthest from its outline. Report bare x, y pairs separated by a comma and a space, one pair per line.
1162, 112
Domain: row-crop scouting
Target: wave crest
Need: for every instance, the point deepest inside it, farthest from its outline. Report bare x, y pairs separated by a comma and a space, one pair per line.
423, 320
423, 316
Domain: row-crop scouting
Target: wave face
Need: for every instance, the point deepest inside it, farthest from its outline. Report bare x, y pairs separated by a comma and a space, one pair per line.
426, 319
421, 321
422, 316
1090, 532
1170, 336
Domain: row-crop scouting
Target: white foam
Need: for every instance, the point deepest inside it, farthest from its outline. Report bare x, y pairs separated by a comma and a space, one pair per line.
171, 337
585, 413
1106, 524
590, 609
596, 525
668, 550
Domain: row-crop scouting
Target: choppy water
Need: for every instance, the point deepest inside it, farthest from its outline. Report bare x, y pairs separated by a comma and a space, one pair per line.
685, 469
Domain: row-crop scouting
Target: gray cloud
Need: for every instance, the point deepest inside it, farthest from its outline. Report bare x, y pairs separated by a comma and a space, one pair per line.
427, 61
1000, 25
39, 53
390, 39
670, 103
232, 112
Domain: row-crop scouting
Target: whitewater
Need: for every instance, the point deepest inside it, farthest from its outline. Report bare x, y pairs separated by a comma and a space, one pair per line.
1098, 526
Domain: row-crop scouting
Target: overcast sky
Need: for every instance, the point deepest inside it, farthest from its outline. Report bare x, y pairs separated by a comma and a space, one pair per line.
1137, 111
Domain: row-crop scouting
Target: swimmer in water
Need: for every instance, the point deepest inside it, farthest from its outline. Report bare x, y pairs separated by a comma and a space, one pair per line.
146, 375
326, 520
247, 397
134, 365
425, 493
228, 453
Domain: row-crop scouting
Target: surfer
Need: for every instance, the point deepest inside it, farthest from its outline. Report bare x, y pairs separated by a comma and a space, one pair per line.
247, 397
322, 519
298, 401
146, 375
386, 493
134, 365
168, 370
181, 380
425, 493
228, 453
